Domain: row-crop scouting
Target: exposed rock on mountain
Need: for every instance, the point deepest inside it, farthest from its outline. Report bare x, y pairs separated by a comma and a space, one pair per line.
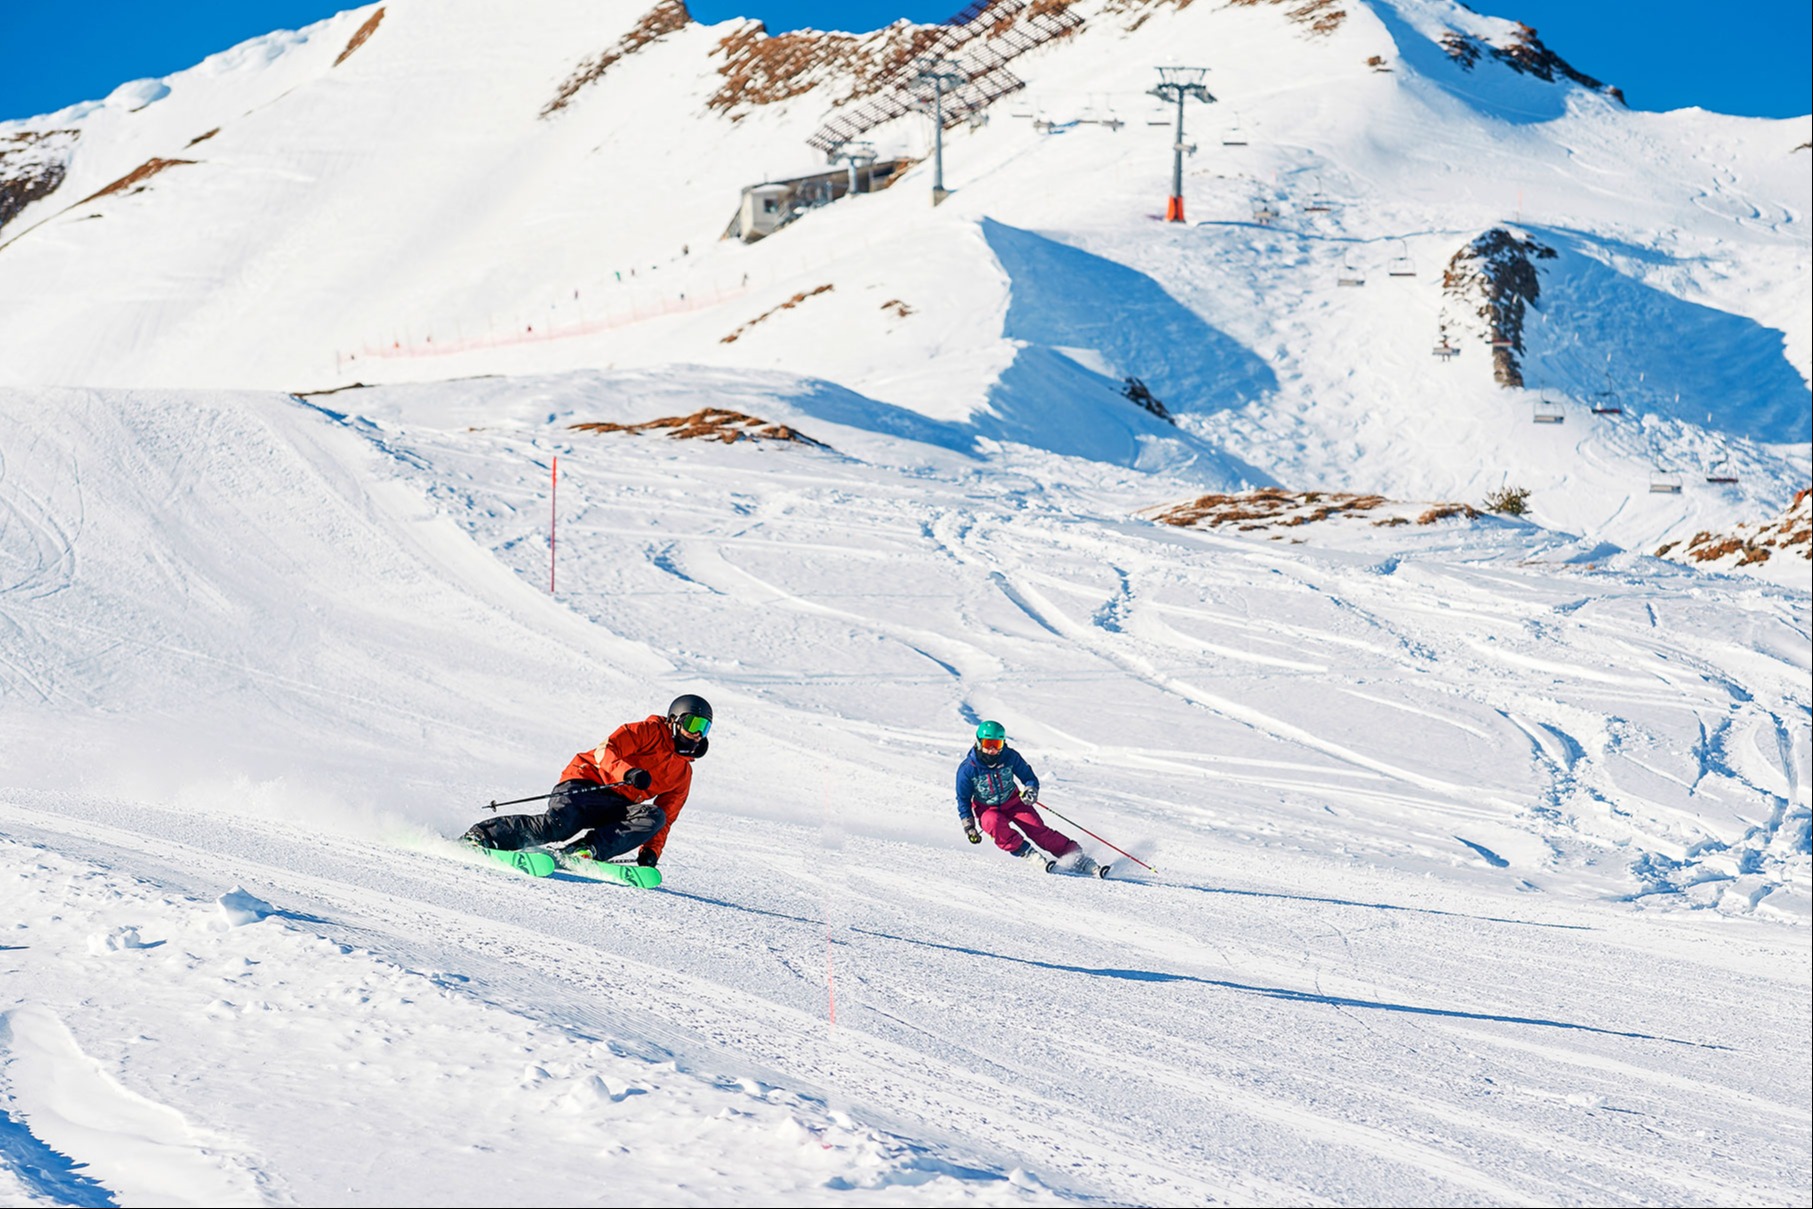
760, 68
665, 18
1274, 508
1524, 54
1321, 16
361, 35
1790, 535
709, 424
32, 165
1495, 277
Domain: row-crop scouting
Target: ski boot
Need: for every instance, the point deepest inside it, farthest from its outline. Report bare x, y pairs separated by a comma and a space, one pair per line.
582, 850
1029, 853
1083, 865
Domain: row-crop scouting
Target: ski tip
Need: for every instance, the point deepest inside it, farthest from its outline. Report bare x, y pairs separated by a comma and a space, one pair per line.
645, 877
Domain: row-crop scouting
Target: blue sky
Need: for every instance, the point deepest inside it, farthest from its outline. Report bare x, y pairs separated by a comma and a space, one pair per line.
1749, 58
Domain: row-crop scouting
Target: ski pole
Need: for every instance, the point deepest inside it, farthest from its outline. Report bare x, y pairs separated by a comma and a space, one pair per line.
542, 797
1092, 835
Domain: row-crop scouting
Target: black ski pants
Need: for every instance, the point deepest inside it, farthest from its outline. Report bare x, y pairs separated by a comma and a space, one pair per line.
612, 824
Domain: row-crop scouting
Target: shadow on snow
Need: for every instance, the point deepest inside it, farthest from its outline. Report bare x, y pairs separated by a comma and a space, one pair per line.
1700, 365
1284, 993
46, 1172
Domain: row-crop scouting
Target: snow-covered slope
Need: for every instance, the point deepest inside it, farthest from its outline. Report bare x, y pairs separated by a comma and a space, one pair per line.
1481, 845
1427, 802
308, 217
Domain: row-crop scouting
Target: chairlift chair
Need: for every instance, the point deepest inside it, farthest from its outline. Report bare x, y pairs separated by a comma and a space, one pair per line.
1445, 350
1721, 472
1606, 401
1100, 115
1349, 276
1547, 411
1235, 136
1402, 266
1318, 201
1661, 483
1263, 213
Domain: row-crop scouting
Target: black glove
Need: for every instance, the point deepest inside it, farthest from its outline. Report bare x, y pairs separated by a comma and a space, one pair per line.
636, 778
969, 829
645, 858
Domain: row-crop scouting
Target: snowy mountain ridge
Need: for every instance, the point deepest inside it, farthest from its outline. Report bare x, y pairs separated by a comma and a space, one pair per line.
250, 222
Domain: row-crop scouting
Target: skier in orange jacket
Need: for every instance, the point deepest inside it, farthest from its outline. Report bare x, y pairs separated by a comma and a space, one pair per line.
625, 792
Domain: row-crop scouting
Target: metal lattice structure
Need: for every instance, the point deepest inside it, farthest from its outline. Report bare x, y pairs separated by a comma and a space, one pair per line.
977, 44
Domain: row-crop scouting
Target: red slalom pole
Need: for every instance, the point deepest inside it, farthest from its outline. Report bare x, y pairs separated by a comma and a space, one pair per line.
1040, 805
553, 516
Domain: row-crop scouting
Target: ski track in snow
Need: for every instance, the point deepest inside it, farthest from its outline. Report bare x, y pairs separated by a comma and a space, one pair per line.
914, 1048
1465, 889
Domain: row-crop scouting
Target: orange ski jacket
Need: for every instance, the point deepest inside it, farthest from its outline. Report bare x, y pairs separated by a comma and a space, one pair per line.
648, 745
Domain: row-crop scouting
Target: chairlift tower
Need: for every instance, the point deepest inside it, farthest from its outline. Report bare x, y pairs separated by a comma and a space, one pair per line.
1174, 84
855, 155
940, 74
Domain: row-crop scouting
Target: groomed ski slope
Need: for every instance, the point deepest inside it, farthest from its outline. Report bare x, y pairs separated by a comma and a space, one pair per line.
1484, 856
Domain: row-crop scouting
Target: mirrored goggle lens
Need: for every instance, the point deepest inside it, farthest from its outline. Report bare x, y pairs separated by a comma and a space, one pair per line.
991, 746
692, 724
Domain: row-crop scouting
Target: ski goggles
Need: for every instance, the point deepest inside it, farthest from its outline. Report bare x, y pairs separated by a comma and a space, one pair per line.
695, 725
990, 746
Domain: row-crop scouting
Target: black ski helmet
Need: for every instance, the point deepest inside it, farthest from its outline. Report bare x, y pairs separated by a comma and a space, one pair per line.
689, 705
689, 719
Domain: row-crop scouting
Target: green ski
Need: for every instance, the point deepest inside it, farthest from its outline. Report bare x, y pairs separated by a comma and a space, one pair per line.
530, 861
645, 876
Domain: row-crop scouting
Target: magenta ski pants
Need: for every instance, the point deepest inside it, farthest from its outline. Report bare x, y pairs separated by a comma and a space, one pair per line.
999, 822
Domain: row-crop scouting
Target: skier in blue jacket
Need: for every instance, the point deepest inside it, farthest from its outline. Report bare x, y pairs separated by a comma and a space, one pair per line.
987, 797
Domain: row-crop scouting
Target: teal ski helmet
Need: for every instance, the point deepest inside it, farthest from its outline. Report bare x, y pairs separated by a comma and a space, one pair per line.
991, 741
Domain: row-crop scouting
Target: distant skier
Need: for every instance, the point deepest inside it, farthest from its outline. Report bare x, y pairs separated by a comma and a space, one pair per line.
625, 792
986, 795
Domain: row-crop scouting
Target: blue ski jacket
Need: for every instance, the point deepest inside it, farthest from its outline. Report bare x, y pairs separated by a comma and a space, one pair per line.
980, 784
